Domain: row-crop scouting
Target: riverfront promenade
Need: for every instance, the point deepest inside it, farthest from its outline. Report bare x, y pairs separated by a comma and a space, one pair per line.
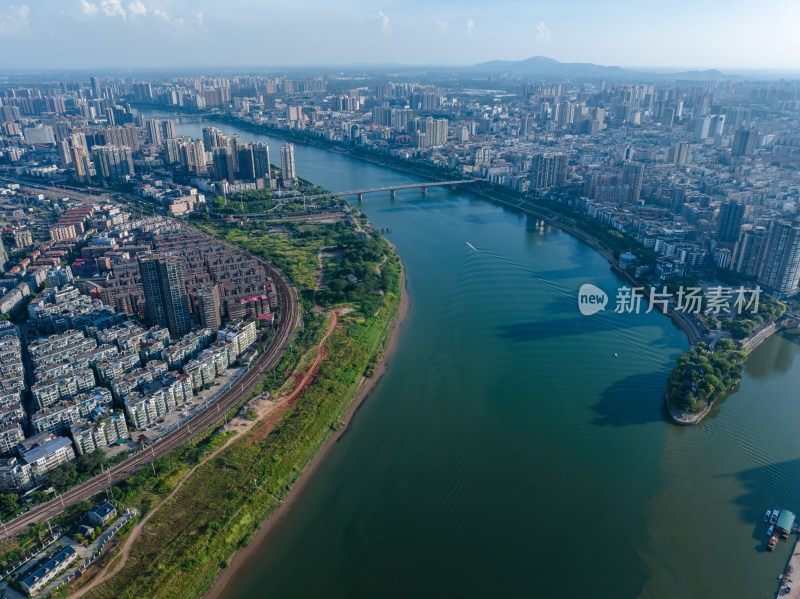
791, 576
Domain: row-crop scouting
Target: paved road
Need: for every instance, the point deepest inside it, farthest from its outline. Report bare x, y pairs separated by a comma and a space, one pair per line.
290, 318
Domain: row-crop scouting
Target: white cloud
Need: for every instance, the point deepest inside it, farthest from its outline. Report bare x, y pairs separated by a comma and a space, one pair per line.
470, 25
383, 19
442, 26
198, 17
137, 8
88, 8
113, 8
542, 31
14, 20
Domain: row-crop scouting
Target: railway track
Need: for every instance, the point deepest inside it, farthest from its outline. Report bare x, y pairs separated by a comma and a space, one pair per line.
290, 317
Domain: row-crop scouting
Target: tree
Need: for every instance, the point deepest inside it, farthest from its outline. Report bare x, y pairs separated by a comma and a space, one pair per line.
91, 462
9, 504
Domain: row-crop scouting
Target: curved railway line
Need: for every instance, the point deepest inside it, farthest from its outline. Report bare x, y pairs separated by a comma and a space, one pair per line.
289, 320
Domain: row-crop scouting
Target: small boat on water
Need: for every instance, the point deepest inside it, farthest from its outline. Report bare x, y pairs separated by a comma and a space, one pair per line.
469, 245
615, 354
775, 513
773, 540
770, 530
767, 515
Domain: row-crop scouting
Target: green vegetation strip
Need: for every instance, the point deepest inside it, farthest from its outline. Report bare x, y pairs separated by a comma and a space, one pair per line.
219, 509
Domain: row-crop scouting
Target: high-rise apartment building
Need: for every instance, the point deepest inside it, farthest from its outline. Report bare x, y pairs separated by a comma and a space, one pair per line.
729, 223
779, 268
113, 162
166, 302
209, 301
632, 179
261, 160
287, 163
744, 141
747, 252
548, 170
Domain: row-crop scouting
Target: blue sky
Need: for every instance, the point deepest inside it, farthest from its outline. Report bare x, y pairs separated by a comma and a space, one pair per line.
146, 33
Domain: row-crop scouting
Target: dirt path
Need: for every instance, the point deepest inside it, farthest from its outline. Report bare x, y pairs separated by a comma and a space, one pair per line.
107, 573
310, 375
268, 415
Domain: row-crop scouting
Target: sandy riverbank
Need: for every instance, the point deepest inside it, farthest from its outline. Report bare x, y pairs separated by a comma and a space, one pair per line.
221, 586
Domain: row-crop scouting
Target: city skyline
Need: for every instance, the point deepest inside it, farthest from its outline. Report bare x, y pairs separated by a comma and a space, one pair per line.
176, 33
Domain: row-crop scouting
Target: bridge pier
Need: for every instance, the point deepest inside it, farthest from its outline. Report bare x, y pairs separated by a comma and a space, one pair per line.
424, 192
393, 194
360, 197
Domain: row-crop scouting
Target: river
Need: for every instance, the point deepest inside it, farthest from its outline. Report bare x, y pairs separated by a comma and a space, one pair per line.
516, 448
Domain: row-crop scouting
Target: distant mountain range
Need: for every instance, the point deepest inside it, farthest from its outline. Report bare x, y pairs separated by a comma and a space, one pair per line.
541, 67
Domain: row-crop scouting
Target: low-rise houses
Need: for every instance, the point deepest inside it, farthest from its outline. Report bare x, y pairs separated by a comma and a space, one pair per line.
38, 455
43, 575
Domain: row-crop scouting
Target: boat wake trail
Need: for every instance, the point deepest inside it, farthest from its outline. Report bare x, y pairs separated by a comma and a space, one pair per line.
518, 267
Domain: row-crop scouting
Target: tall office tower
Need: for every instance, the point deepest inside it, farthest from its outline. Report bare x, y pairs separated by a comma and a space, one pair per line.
632, 178
113, 162
548, 170
729, 223
261, 160
166, 302
223, 165
64, 154
3, 257
779, 268
246, 162
95, 81
153, 129
208, 297
747, 251
168, 129
287, 163
744, 141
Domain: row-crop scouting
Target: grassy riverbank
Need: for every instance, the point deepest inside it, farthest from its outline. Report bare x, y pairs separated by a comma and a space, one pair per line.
218, 510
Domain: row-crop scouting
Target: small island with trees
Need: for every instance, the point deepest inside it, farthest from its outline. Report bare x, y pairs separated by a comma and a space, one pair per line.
701, 377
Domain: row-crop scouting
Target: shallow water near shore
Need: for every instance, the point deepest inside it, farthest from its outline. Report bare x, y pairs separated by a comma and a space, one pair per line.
508, 452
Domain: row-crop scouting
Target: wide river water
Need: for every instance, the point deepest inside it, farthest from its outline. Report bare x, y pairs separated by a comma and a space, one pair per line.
516, 448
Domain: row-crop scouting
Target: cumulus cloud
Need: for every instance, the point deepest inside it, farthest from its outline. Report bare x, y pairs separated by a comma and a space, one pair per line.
137, 8
470, 25
113, 8
88, 8
198, 17
14, 19
542, 31
383, 20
